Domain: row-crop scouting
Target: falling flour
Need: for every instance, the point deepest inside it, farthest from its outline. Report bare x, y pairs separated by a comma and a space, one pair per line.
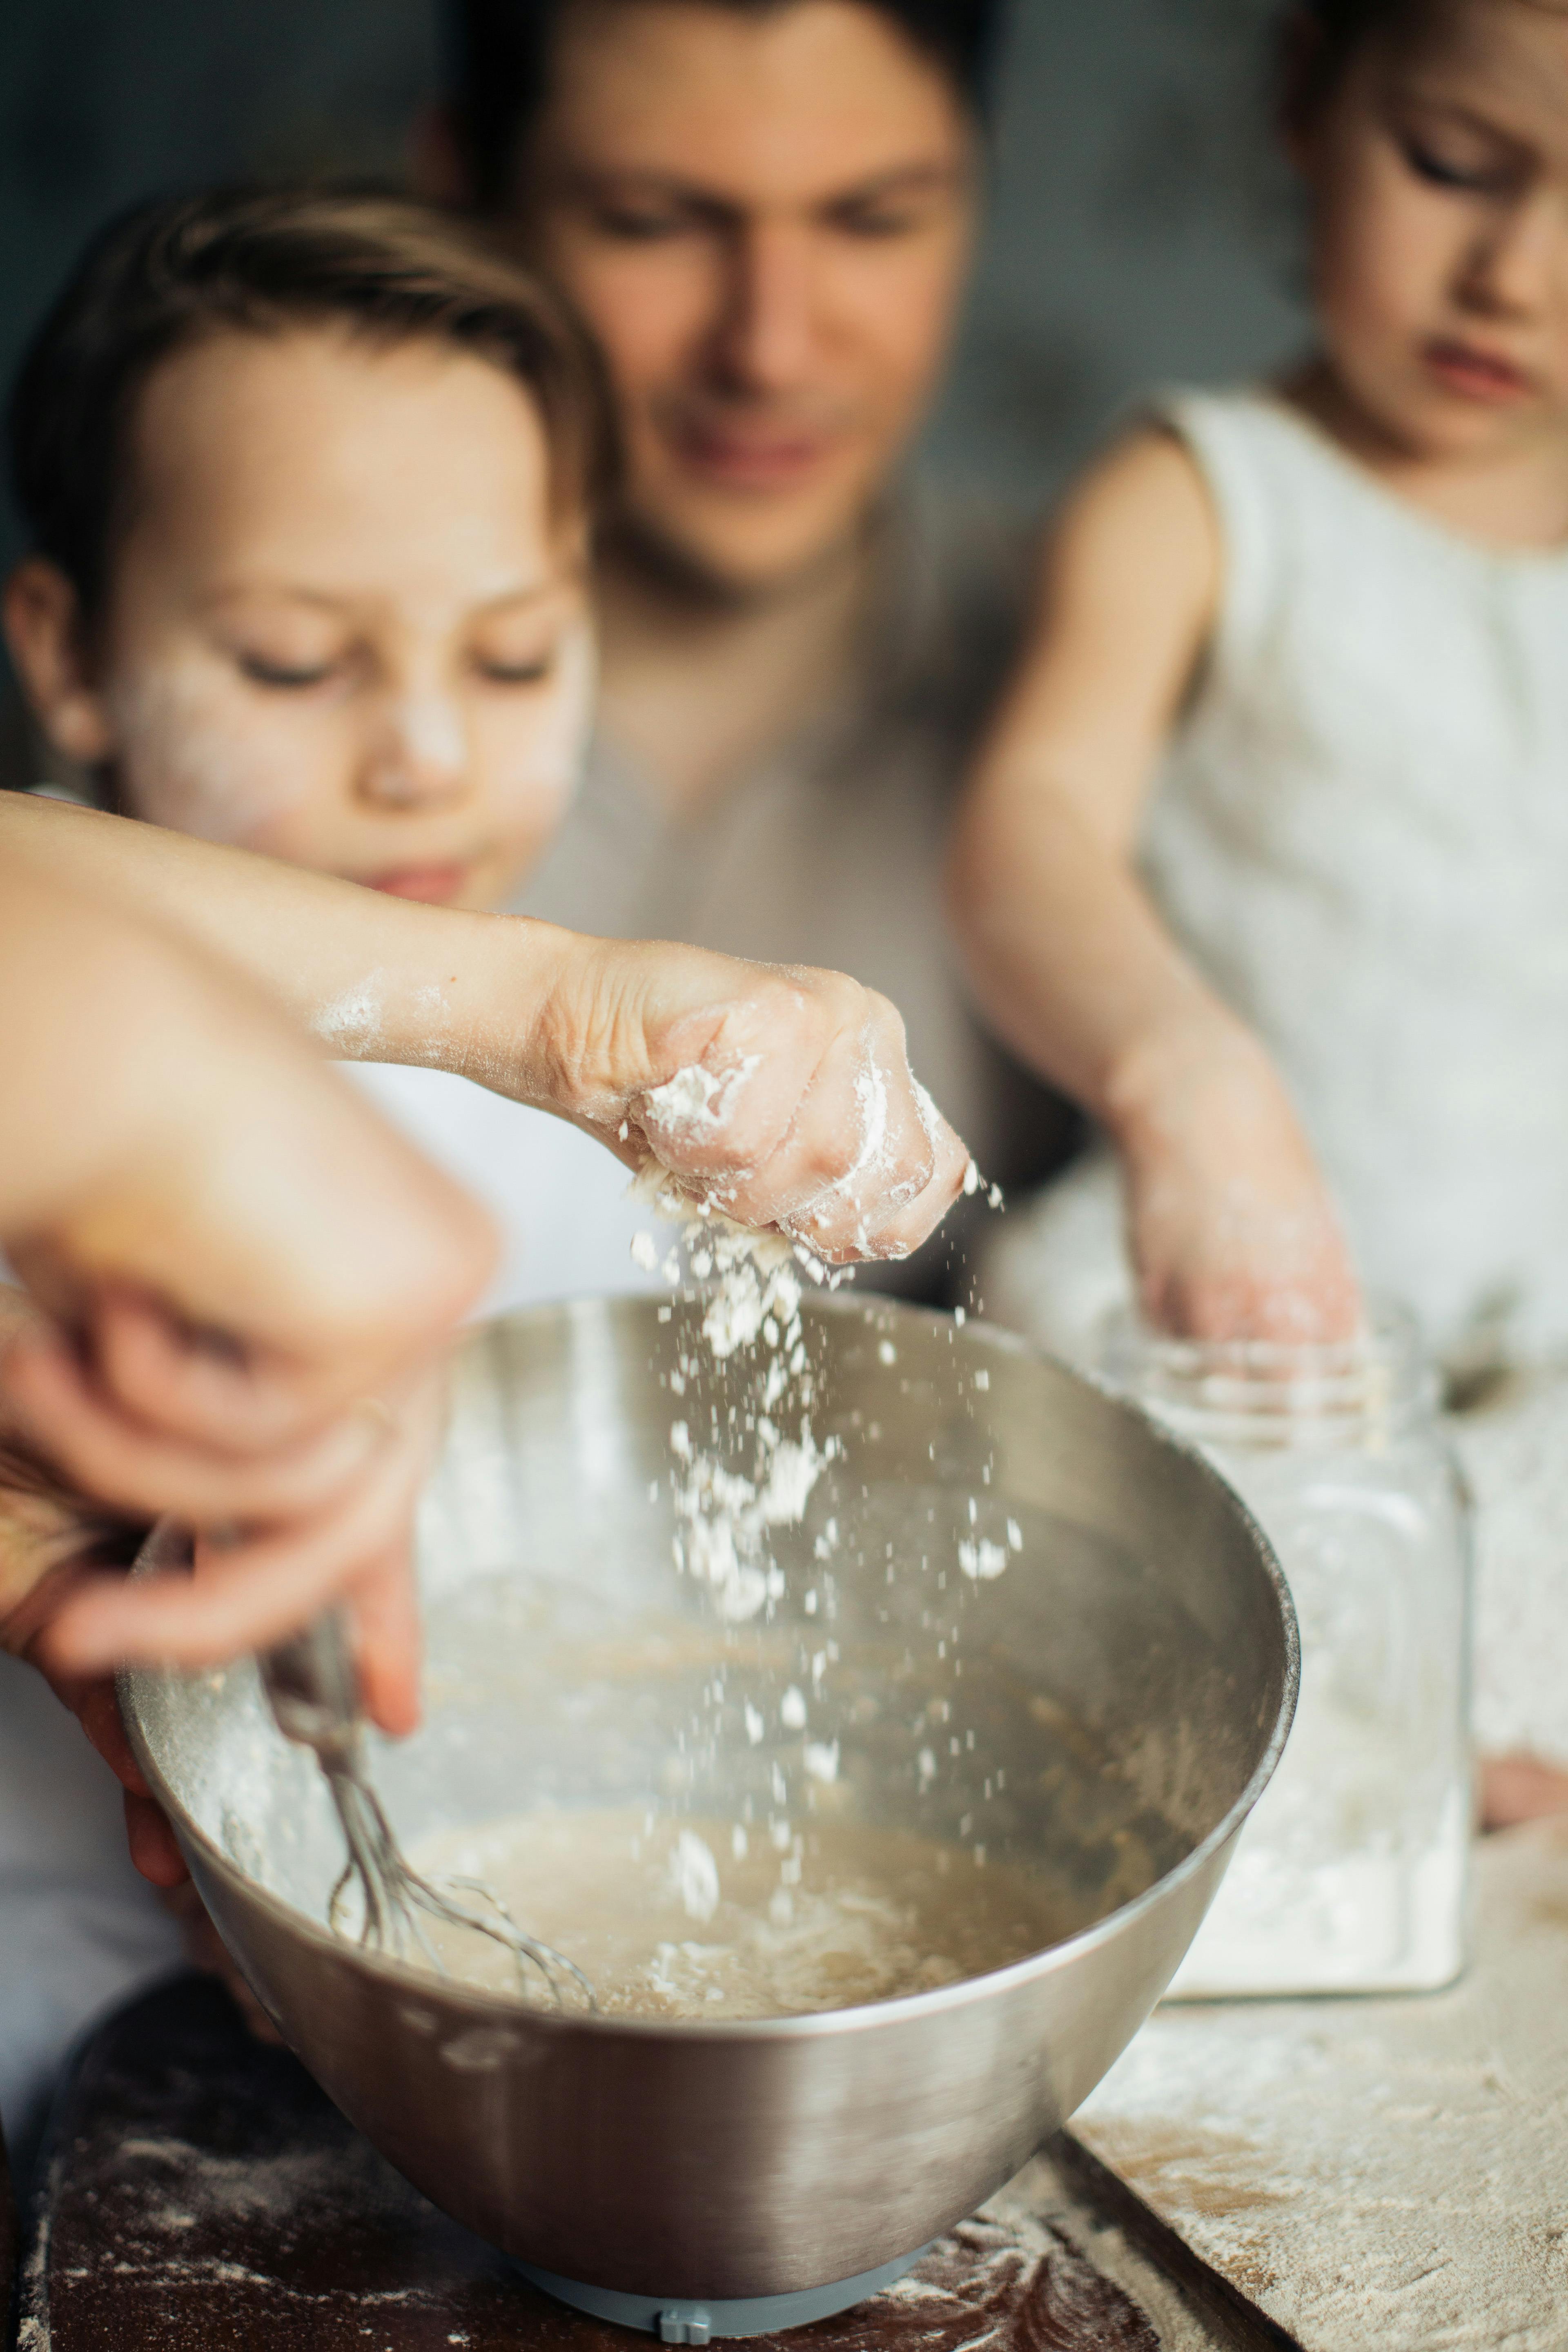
673, 1917
725, 1516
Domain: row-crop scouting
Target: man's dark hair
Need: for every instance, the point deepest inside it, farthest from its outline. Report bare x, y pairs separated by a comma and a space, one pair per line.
501, 52
259, 261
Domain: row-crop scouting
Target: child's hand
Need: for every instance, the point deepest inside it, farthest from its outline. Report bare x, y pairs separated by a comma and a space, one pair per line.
783, 1095
1231, 1228
1518, 1789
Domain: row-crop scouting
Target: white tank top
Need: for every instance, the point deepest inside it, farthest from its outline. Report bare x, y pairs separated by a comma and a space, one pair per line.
1362, 837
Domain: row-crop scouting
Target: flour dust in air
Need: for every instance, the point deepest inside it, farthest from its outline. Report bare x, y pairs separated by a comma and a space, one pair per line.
794, 1906
725, 1516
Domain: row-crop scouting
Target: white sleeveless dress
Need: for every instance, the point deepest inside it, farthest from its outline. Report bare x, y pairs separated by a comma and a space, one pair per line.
1361, 836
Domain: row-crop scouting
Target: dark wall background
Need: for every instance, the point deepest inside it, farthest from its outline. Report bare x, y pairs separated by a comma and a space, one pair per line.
1138, 231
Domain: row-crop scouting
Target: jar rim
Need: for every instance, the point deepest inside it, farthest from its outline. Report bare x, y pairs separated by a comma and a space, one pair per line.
1278, 1392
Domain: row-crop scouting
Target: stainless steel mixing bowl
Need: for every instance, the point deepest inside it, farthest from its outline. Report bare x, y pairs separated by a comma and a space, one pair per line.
1106, 1710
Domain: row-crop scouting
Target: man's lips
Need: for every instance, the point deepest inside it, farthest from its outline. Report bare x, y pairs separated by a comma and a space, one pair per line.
1478, 375
754, 461
434, 884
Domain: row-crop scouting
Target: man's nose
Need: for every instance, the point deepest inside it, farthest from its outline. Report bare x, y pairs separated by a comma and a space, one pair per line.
417, 756
768, 332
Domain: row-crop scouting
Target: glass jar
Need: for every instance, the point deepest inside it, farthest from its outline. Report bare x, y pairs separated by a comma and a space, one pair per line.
1351, 1873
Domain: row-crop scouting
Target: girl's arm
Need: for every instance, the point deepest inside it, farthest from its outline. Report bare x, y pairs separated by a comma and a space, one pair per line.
1231, 1228
806, 1114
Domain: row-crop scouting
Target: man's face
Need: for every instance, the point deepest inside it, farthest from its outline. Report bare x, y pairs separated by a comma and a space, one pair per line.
765, 220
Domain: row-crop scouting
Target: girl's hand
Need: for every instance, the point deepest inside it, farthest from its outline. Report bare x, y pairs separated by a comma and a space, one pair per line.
1521, 1787
783, 1095
1232, 1231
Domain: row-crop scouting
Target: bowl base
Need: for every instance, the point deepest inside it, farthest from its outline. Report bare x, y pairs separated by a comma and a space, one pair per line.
713, 2318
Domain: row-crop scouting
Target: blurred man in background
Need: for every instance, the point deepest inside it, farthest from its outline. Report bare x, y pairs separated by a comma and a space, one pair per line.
764, 211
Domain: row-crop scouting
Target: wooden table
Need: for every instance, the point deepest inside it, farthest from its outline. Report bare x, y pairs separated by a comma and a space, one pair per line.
204, 2196
1340, 2176
1377, 2176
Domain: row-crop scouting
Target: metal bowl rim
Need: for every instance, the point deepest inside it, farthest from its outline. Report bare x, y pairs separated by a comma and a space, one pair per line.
504, 2009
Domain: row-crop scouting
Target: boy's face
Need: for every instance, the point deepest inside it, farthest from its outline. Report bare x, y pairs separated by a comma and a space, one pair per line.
342, 629
1438, 175
764, 218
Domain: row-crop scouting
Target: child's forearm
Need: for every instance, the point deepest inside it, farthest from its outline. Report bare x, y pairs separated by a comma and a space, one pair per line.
1231, 1230
1070, 960
374, 977
594, 1030
545, 1017
1232, 1233
549, 1017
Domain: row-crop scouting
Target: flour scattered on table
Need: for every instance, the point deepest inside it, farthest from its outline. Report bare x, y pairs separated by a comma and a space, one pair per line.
1379, 2174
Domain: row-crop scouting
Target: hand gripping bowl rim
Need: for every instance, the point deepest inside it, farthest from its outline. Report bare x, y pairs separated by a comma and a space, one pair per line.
495, 2007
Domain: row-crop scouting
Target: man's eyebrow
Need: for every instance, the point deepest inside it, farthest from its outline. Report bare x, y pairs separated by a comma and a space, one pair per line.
904, 179
629, 180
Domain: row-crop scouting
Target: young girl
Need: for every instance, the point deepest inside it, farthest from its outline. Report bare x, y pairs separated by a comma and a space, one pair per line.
1313, 983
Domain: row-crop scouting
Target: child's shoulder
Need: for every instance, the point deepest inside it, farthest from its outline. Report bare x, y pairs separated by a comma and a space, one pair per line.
1175, 456
1172, 528
1268, 465
1261, 416
1227, 446
1192, 434
1140, 507
1220, 487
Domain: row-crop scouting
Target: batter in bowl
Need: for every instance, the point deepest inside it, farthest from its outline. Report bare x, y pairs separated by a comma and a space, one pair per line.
684, 1919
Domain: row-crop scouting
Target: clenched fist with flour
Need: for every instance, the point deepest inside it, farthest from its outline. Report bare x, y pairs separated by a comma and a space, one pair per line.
784, 1097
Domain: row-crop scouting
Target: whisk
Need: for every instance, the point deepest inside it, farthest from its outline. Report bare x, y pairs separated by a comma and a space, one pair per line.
310, 1683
